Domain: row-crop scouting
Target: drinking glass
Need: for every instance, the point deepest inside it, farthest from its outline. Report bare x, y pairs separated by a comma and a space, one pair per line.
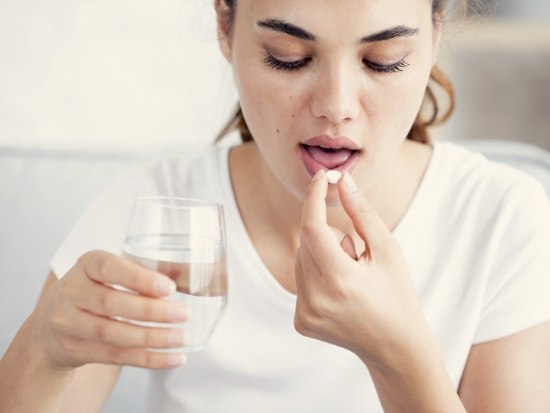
185, 240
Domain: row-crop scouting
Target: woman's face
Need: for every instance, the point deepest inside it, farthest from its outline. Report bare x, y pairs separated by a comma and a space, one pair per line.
331, 84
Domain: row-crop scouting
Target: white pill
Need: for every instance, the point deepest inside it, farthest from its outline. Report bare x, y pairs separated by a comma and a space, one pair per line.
333, 176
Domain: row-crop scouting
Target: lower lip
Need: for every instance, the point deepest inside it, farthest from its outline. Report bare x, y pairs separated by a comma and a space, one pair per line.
312, 166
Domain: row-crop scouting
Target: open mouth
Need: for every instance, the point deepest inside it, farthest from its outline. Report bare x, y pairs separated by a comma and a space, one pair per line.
316, 157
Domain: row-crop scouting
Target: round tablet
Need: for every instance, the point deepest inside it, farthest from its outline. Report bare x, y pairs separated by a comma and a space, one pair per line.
333, 176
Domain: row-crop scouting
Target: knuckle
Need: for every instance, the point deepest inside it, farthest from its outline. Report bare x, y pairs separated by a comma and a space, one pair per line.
88, 257
116, 355
309, 228
149, 338
58, 322
148, 311
106, 264
102, 333
364, 211
302, 324
317, 308
150, 359
85, 258
107, 302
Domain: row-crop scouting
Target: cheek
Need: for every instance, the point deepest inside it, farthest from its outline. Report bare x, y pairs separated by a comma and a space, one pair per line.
269, 105
402, 100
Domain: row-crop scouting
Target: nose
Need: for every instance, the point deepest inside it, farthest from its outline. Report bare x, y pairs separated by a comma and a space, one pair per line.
336, 96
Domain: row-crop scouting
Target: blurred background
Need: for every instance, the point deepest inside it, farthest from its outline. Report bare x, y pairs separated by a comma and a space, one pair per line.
499, 62
117, 74
138, 75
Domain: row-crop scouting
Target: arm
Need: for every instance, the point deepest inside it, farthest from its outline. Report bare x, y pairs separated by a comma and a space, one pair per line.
71, 340
57, 390
509, 375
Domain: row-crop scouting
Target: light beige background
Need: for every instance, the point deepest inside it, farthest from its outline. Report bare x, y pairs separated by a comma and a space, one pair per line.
111, 74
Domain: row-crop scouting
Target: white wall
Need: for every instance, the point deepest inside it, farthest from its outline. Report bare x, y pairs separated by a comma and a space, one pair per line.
111, 74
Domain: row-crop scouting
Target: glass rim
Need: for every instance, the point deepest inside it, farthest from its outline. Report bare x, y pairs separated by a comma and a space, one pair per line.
182, 202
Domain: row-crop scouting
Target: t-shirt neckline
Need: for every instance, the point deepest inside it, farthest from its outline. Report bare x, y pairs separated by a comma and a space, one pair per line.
260, 272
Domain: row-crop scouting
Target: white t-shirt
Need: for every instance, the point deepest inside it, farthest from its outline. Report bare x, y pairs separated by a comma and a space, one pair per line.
476, 238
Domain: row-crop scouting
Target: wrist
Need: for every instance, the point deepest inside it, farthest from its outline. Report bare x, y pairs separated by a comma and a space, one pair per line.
414, 379
29, 378
33, 344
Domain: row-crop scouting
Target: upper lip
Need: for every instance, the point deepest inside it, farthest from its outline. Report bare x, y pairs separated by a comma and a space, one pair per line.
329, 142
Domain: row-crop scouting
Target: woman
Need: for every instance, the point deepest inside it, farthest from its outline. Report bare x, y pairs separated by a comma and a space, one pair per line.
432, 296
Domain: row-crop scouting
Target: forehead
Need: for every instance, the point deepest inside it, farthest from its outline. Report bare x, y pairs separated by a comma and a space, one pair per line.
346, 17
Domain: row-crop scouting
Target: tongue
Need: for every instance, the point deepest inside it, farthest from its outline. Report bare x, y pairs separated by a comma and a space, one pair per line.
329, 158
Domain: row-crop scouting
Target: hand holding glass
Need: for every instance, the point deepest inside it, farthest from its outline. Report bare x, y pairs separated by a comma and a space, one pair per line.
185, 240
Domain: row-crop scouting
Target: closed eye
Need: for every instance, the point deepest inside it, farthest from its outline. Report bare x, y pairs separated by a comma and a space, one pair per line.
285, 65
295, 65
389, 68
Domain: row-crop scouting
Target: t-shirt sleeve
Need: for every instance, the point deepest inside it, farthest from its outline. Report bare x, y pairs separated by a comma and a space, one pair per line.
103, 224
517, 293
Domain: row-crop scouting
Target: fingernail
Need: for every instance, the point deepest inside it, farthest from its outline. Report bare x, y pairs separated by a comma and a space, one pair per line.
177, 313
320, 173
164, 286
175, 360
175, 338
350, 183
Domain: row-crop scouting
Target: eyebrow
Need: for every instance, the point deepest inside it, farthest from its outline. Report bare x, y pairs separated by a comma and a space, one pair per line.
394, 32
288, 28
295, 31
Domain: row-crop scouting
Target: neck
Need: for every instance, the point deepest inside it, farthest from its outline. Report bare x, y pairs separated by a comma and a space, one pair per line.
265, 203
271, 214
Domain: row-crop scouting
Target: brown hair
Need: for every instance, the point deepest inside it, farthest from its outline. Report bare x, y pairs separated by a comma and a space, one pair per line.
431, 104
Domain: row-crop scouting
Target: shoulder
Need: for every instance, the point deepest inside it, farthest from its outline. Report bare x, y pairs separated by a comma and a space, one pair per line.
186, 174
470, 175
465, 195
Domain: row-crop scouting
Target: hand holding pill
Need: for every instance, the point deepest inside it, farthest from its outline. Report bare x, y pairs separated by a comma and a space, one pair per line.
337, 289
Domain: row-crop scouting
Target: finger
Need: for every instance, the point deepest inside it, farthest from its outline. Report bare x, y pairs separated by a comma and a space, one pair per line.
314, 207
365, 219
118, 333
301, 291
89, 352
348, 246
299, 272
106, 301
316, 235
307, 272
107, 268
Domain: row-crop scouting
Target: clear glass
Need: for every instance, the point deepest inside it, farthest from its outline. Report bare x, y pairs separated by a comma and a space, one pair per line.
185, 240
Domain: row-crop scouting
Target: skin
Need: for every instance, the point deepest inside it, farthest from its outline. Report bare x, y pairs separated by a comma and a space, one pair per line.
70, 342
336, 94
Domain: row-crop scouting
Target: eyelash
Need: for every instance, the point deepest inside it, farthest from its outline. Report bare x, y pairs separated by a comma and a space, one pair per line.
299, 64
